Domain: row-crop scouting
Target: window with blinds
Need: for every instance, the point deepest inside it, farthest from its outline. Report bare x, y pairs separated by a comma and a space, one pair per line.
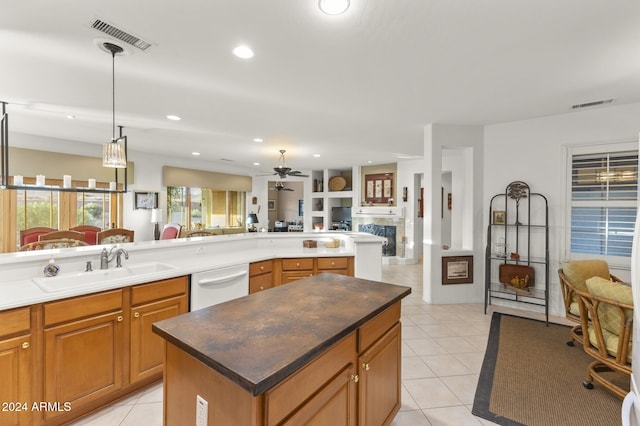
604, 188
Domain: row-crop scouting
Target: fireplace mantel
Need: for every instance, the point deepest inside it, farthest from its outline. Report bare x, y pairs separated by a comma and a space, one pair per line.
378, 211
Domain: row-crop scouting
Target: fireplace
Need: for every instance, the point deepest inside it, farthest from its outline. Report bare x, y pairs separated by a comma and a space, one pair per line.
386, 231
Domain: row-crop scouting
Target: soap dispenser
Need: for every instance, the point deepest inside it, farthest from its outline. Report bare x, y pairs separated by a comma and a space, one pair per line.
51, 270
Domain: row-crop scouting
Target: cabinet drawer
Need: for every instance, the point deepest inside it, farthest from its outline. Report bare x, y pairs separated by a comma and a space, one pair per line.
82, 307
325, 263
158, 290
261, 282
258, 268
288, 276
15, 321
297, 264
284, 398
375, 328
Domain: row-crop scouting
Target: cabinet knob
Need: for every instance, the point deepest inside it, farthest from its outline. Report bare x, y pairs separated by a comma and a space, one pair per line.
261, 288
365, 367
120, 318
25, 345
137, 315
333, 263
297, 264
262, 268
355, 378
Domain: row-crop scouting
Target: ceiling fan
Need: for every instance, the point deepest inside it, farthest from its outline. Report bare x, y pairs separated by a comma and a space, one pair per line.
283, 171
279, 186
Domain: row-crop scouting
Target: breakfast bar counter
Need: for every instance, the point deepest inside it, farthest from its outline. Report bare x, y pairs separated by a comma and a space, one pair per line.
312, 347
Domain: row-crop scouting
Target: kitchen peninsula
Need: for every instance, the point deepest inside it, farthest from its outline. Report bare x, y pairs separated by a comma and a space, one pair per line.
108, 312
323, 348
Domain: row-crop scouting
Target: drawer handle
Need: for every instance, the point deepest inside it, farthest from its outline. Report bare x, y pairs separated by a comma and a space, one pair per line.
120, 318
137, 315
355, 378
25, 345
366, 367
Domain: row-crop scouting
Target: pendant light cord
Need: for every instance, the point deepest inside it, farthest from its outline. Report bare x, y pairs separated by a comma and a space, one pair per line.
113, 86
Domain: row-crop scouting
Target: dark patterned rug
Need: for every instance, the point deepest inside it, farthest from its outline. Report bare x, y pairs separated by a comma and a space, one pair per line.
531, 377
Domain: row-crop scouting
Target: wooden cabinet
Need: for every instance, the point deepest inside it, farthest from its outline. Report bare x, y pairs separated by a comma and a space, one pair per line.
260, 276
150, 303
291, 269
321, 393
337, 265
296, 268
16, 366
83, 348
379, 363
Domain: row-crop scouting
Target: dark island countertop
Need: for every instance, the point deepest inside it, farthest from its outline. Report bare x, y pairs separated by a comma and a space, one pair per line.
259, 340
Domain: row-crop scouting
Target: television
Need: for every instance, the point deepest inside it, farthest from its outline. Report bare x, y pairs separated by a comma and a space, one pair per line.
341, 214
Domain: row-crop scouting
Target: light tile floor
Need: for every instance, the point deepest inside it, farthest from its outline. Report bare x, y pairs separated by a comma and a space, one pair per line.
442, 352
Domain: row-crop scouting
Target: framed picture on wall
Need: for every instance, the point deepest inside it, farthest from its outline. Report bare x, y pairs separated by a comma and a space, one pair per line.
145, 200
271, 205
457, 270
378, 188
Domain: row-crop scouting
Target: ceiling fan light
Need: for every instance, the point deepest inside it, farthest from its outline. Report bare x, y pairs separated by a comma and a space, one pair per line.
333, 7
113, 155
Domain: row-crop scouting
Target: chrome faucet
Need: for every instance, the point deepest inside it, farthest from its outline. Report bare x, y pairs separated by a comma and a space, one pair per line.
106, 257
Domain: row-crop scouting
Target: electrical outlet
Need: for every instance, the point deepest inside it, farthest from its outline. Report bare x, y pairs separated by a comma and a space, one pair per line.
202, 411
200, 250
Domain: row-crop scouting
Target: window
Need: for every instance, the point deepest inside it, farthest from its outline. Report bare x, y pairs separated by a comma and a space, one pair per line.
604, 187
93, 209
201, 208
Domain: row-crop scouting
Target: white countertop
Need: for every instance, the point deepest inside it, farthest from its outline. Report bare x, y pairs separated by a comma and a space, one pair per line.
184, 256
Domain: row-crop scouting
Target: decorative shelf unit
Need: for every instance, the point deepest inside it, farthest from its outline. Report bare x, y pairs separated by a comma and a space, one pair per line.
329, 188
517, 252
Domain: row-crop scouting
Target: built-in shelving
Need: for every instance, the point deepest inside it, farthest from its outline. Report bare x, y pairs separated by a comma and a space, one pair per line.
322, 199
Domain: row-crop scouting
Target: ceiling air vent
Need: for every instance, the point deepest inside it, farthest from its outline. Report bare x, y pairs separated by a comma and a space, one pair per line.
591, 104
119, 34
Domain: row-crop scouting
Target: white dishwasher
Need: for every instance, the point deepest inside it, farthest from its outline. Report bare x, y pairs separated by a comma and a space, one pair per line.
219, 285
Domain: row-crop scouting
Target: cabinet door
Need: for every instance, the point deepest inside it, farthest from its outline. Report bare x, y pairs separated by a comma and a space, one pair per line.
334, 404
83, 359
147, 348
379, 387
260, 282
16, 371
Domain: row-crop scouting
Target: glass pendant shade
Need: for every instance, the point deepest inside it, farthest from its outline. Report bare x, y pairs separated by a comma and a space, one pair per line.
113, 155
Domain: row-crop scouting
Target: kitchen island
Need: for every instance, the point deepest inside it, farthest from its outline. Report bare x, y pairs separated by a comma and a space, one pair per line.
322, 349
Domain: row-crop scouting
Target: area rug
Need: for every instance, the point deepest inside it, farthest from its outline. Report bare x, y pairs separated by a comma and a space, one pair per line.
531, 377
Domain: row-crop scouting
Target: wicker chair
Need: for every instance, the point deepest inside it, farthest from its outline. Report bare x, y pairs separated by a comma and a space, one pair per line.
56, 235
607, 327
573, 276
52, 244
90, 233
115, 236
30, 235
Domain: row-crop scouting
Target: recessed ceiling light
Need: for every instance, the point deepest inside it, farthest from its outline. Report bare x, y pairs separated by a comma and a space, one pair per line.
369, 161
195, 153
258, 140
333, 7
71, 117
243, 52
256, 164
316, 155
174, 117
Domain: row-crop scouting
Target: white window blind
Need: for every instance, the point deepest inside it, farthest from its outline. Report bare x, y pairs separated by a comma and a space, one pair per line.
604, 188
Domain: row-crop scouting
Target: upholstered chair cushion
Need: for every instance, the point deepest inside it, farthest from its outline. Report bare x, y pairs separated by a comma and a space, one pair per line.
609, 315
579, 271
116, 239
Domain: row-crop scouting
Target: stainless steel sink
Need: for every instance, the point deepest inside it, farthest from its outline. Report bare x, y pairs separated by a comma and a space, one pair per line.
77, 280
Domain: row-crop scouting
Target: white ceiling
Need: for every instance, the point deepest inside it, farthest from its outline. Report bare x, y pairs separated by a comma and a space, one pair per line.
352, 88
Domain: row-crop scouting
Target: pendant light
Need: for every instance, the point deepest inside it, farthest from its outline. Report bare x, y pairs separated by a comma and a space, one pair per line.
114, 153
